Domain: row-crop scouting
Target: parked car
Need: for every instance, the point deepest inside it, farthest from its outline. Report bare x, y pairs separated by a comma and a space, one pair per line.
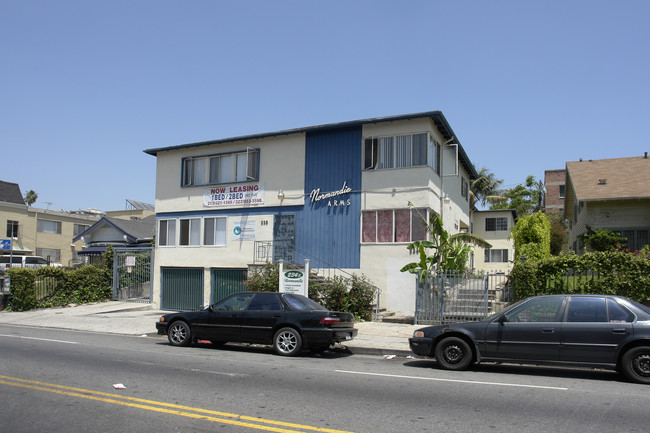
288, 322
582, 330
21, 261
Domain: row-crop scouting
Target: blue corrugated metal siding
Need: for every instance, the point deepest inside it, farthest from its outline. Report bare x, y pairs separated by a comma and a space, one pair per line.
331, 233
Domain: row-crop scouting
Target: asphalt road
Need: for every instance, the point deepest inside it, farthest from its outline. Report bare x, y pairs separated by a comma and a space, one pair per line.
63, 381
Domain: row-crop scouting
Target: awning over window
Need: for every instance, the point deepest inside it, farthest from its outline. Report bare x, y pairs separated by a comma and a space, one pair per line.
92, 251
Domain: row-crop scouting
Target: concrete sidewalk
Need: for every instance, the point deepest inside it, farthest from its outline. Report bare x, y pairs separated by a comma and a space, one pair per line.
140, 319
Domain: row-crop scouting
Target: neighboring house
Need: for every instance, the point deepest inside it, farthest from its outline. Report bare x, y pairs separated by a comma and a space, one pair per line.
612, 194
335, 194
555, 185
494, 226
41, 232
116, 232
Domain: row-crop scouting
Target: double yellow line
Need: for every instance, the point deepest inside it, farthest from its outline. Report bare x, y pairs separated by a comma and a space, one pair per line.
168, 408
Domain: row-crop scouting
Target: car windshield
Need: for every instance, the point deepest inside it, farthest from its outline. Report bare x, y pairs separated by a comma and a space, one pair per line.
299, 302
494, 315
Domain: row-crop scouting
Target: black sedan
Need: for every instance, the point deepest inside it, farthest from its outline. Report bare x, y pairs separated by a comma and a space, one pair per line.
289, 322
581, 330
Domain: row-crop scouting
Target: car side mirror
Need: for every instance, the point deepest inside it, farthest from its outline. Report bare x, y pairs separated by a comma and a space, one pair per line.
502, 319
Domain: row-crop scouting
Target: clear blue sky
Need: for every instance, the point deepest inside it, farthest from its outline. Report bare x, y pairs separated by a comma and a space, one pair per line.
86, 86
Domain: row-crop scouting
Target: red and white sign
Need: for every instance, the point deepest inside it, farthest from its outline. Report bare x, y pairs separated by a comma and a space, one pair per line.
234, 195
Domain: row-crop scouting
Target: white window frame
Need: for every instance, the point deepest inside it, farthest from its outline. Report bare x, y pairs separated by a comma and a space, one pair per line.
218, 236
170, 233
193, 236
491, 253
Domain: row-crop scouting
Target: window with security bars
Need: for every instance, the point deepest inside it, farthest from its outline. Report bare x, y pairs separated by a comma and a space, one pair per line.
496, 224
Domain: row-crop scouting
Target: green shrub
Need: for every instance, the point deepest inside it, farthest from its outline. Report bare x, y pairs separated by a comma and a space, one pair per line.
22, 296
354, 295
599, 272
55, 287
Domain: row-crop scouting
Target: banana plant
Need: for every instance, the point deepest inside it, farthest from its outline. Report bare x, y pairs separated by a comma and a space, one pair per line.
449, 252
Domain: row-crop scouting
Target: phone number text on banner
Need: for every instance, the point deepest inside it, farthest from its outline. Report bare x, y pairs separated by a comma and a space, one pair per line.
234, 195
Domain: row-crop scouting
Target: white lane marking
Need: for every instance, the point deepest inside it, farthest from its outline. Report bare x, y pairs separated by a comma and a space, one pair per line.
473, 382
39, 339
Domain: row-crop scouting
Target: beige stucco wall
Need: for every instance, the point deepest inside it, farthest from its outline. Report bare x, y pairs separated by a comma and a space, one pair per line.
30, 239
282, 167
498, 239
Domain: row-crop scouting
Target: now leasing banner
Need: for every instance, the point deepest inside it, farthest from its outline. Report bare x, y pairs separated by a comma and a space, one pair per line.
234, 195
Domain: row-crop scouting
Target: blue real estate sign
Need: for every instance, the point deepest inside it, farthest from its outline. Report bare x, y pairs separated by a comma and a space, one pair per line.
5, 244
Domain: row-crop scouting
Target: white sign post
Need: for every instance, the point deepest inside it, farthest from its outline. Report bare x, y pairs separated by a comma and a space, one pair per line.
294, 280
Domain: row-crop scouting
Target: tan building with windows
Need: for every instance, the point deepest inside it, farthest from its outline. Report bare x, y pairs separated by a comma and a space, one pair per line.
611, 194
40, 232
494, 226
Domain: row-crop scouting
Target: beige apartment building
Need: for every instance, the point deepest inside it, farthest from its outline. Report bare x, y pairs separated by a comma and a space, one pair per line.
41, 232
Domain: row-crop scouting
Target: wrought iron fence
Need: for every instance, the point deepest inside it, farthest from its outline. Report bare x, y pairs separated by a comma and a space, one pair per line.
448, 297
133, 274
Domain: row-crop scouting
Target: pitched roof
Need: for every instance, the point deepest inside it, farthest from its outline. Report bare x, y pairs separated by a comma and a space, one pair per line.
610, 179
135, 231
10, 193
436, 116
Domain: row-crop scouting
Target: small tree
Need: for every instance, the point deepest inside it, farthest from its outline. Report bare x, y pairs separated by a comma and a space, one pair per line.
532, 236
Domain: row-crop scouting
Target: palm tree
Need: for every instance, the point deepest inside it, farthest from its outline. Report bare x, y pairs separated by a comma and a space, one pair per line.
30, 197
450, 252
485, 189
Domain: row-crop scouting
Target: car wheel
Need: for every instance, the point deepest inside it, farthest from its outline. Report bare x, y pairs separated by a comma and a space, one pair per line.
179, 334
453, 353
287, 342
636, 364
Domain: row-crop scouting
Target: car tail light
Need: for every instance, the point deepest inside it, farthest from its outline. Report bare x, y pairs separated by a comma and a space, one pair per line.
329, 320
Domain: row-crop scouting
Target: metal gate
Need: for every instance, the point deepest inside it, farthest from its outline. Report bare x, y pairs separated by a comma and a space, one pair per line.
226, 282
449, 297
133, 274
181, 289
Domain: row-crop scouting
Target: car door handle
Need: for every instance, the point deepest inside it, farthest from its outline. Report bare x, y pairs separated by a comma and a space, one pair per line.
548, 330
618, 331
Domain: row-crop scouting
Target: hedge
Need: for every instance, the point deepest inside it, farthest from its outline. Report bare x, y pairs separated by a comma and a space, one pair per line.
616, 273
56, 287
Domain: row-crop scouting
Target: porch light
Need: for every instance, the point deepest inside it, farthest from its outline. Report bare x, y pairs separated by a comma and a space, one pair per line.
280, 195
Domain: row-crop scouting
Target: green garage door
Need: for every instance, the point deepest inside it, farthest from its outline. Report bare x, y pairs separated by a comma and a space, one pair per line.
226, 281
181, 289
